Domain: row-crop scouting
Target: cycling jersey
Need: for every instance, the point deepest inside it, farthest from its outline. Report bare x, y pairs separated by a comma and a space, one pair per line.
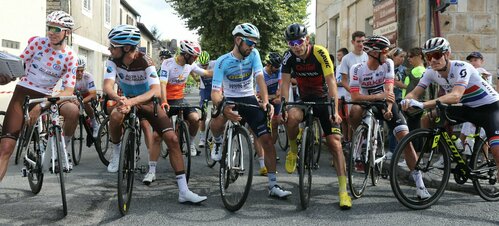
85, 84
478, 92
310, 73
236, 75
369, 82
272, 81
135, 79
206, 81
176, 76
45, 66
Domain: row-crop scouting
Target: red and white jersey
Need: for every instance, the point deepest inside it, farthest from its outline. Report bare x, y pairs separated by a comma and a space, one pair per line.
368, 82
176, 77
45, 66
85, 84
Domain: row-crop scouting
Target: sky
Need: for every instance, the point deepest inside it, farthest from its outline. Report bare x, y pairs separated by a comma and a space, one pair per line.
159, 14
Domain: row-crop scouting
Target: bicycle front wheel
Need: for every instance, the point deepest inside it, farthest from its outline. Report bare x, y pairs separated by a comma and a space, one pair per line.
35, 173
431, 168
126, 171
236, 169
208, 146
358, 162
60, 173
102, 142
379, 158
77, 142
185, 148
484, 166
282, 137
305, 165
317, 134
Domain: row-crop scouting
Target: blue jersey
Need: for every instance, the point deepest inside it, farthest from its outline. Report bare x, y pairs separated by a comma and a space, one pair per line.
272, 81
236, 76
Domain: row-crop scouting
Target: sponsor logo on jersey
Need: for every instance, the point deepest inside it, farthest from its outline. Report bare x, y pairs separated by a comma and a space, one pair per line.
109, 69
458, 64
91, 84
56, 67
73, 71
153, 75
163, 73
132, 77
121, 75
305, 67
239, 77
324, 58
35, 66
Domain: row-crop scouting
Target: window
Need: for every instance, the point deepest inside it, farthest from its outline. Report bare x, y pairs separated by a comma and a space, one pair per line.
121, 16
129, 20
86, 7
10, 44
107, 13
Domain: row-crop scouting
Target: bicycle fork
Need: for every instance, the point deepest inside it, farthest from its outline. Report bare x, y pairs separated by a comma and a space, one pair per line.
231, 157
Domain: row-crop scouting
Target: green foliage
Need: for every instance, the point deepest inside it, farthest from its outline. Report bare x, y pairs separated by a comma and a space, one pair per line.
215, 19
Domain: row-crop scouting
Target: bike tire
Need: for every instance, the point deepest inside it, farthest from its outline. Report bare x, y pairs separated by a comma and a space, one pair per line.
305, 165
102, 142
317, 132
232, 179
21, 143
35, 174
437, 177
357, 178
126, 171
60, 173
483, 161
208, 146
77, 142
282, 137
185, 147
377, 171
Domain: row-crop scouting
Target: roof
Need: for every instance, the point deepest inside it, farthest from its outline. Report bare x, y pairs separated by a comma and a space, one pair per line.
144, 31
129, 7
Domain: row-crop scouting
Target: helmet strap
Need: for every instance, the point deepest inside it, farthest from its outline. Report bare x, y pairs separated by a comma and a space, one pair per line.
378, 58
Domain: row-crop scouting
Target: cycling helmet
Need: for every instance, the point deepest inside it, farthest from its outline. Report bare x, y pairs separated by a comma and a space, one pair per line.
274, 58
124, 35
81, 63
376, 43
295, 31
204, 58
246, 30
165, 53
436, 44
192, 48
61, 18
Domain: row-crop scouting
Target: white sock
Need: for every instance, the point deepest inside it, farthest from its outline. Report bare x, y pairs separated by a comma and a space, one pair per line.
152, 166
272, 179
182, 183
67, 140
418, 178
201, 135
219, 139
94, 122
116, 149
261, 160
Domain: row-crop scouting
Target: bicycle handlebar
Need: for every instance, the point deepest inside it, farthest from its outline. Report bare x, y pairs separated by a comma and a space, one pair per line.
224, 103
184, 106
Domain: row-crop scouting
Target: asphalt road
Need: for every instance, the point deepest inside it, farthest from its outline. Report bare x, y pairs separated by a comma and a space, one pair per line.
91, 194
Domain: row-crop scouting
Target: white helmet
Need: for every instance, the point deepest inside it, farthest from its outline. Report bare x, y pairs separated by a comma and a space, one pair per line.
61, 18
81, 63
436, 44
189, 47
246, 30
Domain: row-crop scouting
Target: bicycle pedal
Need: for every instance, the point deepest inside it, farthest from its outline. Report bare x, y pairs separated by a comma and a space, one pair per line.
24, 172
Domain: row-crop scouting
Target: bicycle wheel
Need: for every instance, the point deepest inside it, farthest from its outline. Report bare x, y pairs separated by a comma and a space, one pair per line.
126, 171
60, 173
210, 142
102, 142
317, 137
433, 163
77, 142
22, 143
305, 165
358, 162
235, 181
185, 147
35, 173
483, 164
282, 137
379, 158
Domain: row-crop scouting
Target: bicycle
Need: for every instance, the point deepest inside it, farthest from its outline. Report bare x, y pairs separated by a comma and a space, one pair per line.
182, 130
282, 137
236, 164
209, 141
35, 158
309, 148
102, 139
434, 143
367, 155
129, 155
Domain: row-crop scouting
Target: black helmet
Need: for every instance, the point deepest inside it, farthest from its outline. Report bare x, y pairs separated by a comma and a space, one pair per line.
165, 53
274, 59
295, 31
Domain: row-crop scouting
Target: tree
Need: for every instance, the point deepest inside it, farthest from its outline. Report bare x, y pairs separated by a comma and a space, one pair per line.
215, 19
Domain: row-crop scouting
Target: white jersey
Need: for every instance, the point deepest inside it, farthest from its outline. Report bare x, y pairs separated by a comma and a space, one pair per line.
348, 61
370, 82
176, 77
478, 91
45, 66
85, 84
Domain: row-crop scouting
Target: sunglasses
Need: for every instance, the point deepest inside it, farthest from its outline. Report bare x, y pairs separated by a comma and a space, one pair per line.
55, 29
113, 46
297, 42
435, 55
249, 42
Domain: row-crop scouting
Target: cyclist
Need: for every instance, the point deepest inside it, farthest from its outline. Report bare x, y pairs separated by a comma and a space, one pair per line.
314, 73
165, 54
86, 86
204, 91
272, 75
235, 71
462, 84
173, 76
139, 82
48, 60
